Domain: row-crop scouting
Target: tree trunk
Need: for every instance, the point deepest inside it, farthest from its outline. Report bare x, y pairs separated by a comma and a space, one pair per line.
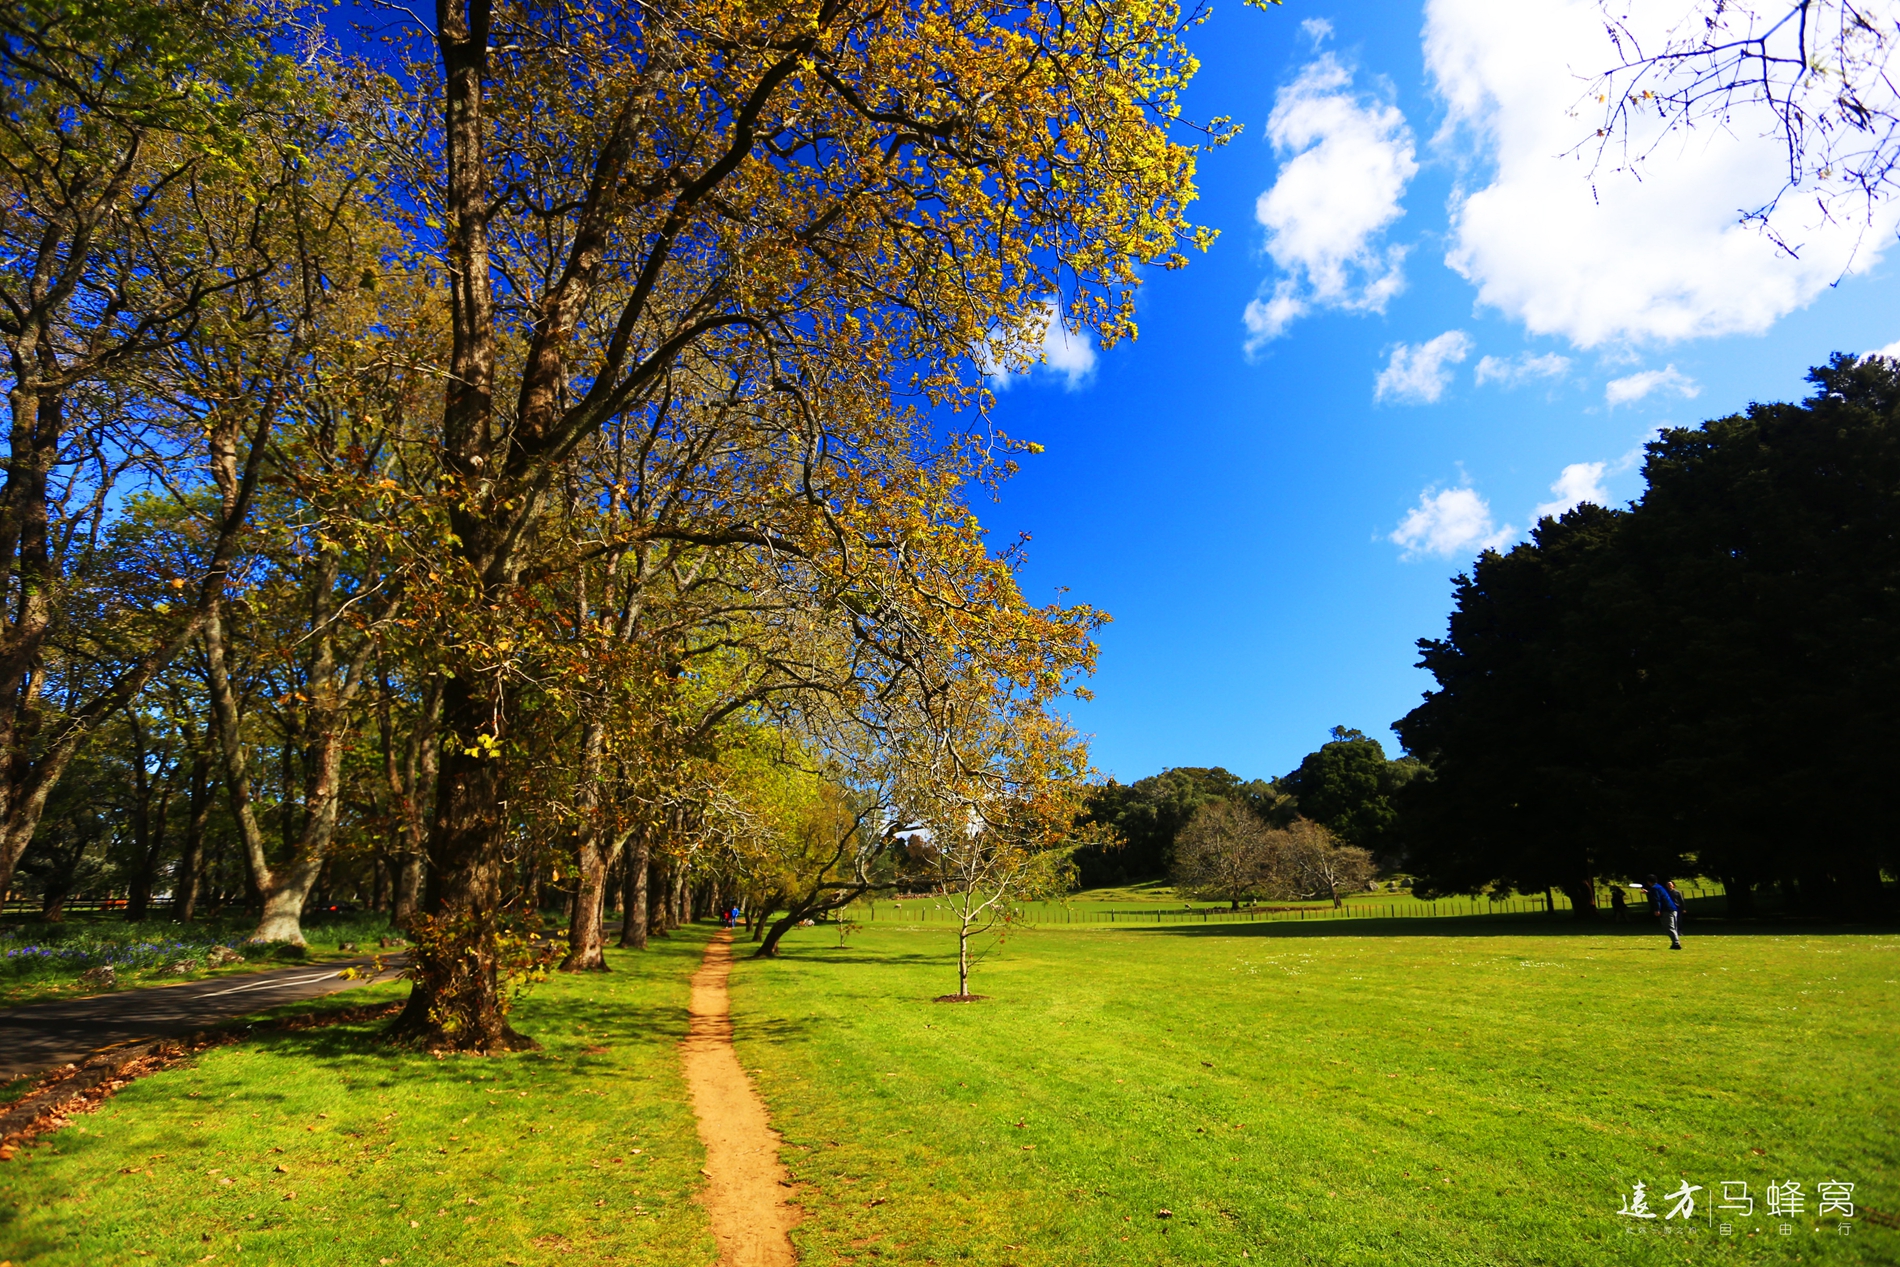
1582, 893
963, 959
1740, 897
410, 785
457, 1001
584, 953
138, 897
633, 905
283, 889
768, 949
408, 889
191, 866
659, 885
531, 891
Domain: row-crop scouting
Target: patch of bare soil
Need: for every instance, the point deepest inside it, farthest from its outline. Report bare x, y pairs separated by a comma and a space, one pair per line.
746, 1187
960, 998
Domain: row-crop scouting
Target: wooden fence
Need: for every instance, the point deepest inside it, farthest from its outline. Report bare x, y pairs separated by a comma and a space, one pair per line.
936, 911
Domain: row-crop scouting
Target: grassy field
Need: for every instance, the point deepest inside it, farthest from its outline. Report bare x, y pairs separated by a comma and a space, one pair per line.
323, 1148
1477, 1092
1349, 1093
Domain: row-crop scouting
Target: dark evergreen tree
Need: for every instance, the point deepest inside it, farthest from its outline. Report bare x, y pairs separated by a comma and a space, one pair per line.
1702, 682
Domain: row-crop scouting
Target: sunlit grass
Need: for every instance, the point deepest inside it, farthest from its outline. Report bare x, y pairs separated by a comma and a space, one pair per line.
1325, 1093
326, 1148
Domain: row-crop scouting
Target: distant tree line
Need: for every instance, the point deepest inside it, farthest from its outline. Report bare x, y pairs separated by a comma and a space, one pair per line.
1705, 682
1347, 786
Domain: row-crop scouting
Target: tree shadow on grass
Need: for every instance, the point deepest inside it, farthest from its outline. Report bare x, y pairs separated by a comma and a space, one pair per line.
566, 1028
777, 1030
820, 955
1537, 925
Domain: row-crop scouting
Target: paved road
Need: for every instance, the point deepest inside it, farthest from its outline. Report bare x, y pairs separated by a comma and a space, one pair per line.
43, 1035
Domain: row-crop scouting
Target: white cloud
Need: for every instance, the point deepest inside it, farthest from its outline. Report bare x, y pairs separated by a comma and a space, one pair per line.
1067, 353
1351, 158
1580, 482
1062, 351
1621, 391
1448, 522
1891, 352
1316, 30
1419, 375
1522, 369
1607, 258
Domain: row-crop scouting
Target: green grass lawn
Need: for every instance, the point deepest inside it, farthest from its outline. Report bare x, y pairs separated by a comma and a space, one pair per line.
1327, 1093
582, 1153
1346, 1093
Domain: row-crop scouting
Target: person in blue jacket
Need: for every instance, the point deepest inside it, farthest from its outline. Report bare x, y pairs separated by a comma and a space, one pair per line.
1665, 906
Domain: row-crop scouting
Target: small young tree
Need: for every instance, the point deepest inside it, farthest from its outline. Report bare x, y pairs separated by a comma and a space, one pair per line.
1319, 863
984, 871
1223, 854
1001, 817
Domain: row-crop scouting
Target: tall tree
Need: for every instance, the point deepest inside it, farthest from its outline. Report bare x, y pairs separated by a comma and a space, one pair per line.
827, 192
150, 154
1689, 685
1223, 854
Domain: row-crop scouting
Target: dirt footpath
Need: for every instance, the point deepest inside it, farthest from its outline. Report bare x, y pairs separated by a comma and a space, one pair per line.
746, 1187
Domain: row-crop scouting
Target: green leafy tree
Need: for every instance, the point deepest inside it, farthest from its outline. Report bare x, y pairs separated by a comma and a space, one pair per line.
1348, 786
1147, 816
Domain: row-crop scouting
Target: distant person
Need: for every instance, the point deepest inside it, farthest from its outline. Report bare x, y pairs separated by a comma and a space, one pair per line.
1666, 908
1619, 905
1682, 903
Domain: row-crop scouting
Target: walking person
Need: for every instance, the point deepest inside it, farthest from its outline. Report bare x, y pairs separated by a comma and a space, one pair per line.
1666, 908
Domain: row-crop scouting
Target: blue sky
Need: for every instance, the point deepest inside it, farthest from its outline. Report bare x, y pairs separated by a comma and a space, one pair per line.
1272, 529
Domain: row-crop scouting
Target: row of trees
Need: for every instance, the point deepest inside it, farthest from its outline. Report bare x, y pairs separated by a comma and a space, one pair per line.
1702, 683
541, 446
